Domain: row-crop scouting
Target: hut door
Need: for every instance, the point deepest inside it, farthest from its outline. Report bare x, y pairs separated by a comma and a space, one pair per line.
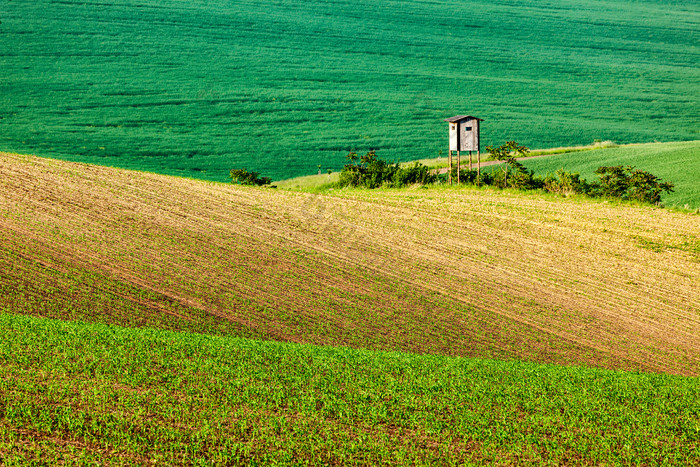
454, 137
467, 137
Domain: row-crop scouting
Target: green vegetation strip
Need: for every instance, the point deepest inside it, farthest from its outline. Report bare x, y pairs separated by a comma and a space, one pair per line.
677, 162
81, 392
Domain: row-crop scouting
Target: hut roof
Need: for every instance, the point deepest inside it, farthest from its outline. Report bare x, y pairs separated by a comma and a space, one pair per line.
459, 118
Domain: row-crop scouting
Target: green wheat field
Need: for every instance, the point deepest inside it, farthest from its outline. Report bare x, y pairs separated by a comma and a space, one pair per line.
195, 88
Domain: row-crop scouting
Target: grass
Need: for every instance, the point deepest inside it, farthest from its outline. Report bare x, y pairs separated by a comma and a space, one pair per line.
590, 147
86, 393
444, 270
308, 182
197, 88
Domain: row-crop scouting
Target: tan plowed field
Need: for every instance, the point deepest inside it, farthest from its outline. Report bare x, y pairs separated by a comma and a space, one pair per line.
451, 271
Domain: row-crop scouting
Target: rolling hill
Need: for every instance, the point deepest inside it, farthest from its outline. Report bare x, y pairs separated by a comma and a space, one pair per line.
445, 271
196, 88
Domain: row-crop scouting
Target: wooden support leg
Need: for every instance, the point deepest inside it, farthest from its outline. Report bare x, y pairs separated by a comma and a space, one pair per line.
458, 167
449, 169
470, 161
478, 167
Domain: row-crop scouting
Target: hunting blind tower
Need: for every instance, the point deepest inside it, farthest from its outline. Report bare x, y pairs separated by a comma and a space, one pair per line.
464, 136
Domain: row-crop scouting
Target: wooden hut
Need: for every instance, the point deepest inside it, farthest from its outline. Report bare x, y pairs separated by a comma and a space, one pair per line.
464, 136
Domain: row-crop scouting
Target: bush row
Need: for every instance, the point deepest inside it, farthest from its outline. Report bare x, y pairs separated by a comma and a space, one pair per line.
623, 182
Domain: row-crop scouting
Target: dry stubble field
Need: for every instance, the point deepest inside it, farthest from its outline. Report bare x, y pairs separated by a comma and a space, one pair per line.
451, 271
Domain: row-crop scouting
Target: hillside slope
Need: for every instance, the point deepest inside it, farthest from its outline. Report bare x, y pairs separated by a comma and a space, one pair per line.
450, 271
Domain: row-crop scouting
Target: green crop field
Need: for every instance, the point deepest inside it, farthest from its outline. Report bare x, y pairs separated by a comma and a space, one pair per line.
80, 393
198, 87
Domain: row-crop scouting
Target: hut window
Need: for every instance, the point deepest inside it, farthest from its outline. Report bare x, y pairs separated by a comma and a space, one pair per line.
467, 128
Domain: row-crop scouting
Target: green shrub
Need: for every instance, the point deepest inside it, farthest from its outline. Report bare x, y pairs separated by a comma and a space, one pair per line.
465, 175
414, 174
626, 183
565, 183
486, 179
367, 171
244, 177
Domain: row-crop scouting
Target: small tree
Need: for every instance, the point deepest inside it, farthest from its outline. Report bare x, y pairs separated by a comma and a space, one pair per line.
508, 153
244, 177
